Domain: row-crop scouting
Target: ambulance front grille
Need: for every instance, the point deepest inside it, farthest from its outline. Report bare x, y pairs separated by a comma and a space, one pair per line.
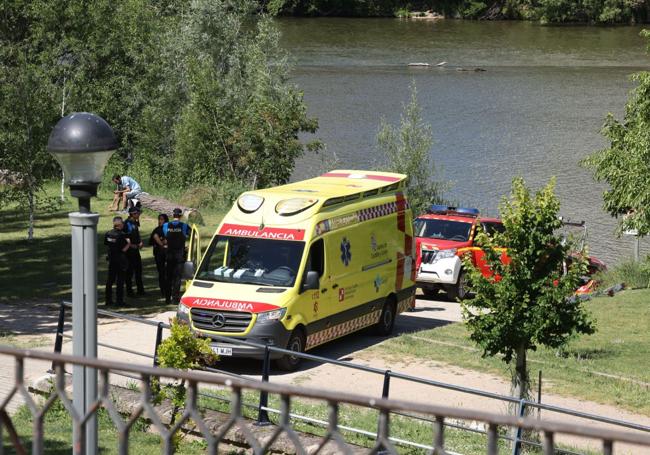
220, 321
428, 256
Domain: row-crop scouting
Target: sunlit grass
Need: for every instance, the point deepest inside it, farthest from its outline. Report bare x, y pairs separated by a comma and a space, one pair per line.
611, 366
39, 270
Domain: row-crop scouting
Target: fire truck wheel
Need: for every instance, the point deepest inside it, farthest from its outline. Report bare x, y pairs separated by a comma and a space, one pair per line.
387, 319
458, 291
430, 292
296, 343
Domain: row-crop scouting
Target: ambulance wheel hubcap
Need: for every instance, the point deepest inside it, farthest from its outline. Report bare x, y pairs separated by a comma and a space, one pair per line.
295, 345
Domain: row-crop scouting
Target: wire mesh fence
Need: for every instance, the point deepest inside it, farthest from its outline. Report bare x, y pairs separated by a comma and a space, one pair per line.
258, 407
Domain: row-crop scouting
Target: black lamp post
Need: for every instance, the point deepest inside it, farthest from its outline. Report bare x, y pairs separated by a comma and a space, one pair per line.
82, 143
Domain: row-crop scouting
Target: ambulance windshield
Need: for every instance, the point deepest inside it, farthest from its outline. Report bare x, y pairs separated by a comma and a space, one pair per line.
252, 261
442, 229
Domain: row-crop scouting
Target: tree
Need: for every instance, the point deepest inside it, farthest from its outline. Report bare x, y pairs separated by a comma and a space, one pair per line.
625, 164
528, 301
93, 55
242, 118
406, 149
27, 111
195, 91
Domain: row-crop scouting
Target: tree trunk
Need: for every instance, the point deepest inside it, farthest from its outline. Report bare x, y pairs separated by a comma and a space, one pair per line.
520, 389
30, 200
62, 186
520, 379
162, 205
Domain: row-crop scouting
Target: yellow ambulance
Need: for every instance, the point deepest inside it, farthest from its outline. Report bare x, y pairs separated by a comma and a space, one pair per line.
298, 265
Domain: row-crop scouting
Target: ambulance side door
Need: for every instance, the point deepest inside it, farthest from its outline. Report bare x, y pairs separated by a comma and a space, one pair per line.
315, 304
343, 254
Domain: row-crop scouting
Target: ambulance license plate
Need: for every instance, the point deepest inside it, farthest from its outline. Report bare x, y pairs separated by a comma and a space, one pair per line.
222, 351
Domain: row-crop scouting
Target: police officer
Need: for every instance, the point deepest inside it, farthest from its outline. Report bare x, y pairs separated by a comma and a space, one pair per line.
132, 229
118, 243
157, 241
176, 233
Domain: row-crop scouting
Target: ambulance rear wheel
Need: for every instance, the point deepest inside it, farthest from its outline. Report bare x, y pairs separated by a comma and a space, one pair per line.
296, 343
387, 319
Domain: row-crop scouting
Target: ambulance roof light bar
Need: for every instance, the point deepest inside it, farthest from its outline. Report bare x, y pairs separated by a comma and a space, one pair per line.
436, 209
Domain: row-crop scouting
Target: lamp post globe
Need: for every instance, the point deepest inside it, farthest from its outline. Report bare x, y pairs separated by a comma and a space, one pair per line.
82, 143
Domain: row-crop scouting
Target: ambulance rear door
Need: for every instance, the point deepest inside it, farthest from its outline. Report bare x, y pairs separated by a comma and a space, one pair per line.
193, 250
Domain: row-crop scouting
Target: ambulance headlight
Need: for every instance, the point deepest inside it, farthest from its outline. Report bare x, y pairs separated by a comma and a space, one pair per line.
445, 254
182, 309
269, 316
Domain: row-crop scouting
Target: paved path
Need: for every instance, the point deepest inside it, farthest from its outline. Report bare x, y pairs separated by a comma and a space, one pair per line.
429, 314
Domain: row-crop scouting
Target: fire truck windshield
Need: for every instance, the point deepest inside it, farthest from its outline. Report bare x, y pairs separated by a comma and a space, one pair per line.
457, 231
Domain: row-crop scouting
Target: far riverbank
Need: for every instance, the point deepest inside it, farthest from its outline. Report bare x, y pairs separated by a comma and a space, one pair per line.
604, 12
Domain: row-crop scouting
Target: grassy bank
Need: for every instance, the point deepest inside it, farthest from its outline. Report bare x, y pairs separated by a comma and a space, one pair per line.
58, 434
39, 270
611, 366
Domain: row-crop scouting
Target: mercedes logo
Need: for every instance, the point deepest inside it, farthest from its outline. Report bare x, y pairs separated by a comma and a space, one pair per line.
218, 320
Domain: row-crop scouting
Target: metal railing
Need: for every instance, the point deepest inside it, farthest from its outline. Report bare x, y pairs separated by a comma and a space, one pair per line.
263, 409
548, 430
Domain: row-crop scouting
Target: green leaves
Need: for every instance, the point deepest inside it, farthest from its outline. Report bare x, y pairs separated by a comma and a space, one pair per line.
183, 350
527, 301
406, 149
195, 91
625, 164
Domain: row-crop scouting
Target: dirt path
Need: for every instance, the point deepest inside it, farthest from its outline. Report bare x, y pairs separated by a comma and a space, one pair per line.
428, 314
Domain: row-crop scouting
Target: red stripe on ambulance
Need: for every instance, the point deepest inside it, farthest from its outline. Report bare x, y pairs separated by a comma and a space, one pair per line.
226, 304
238, 230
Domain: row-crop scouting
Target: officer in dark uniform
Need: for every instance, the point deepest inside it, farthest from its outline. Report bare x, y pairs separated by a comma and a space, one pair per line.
118, 243
132, 229
157, 241
176, 233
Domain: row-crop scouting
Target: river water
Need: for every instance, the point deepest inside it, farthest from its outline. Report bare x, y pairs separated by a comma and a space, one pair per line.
534, 112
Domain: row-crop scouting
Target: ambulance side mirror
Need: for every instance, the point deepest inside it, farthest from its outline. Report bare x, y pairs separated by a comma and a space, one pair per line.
311, 282
188, 270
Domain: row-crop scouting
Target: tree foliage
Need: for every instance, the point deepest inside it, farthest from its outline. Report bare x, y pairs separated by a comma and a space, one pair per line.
625, 164
27, 110
195, 91
527, 302
546, 11
406, 149
242, 118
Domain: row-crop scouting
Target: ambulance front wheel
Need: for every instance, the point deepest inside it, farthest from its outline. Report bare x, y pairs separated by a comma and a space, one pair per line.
296, 343
387, 319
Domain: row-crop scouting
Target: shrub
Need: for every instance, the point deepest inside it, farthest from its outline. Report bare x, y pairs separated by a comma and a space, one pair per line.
635, 275
473, 10
403, 13
406, 149
182, 350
